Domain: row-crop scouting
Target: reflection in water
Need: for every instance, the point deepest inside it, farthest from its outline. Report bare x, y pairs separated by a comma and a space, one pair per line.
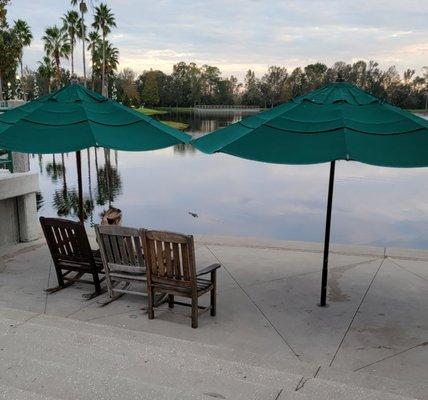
231, 196
183, 148
109, 185
66, 204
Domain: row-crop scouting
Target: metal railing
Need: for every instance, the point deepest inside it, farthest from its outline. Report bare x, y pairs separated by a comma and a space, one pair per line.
6, 161
225, 107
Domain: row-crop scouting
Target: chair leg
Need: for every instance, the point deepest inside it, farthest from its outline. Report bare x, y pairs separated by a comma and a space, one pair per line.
59, 277
171, 301
195, 312
150, 303
213, 294
97, 283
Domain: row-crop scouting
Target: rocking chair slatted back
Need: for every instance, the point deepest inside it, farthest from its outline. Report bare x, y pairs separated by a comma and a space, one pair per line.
123, 259
121, 248
71, 252
67, 240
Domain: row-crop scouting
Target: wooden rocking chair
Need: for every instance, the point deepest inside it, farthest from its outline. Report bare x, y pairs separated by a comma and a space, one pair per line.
170, 262
71, 252
123, 260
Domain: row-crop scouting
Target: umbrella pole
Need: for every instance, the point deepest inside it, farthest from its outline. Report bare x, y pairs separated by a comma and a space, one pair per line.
323, 302
79, 185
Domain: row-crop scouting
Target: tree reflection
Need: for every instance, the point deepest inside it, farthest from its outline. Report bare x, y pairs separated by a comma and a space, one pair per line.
56, 170
109, 181
66, 203
108, 185
40, 201
183, 148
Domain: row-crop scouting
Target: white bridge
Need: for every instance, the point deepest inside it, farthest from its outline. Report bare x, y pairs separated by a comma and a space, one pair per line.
222, 108
8, 104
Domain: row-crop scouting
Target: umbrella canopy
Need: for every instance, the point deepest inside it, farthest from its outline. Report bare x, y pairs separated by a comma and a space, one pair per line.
337, 122
74, 118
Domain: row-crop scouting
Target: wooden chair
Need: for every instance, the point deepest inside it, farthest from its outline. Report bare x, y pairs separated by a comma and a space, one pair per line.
71, 252
122, 256
170, 261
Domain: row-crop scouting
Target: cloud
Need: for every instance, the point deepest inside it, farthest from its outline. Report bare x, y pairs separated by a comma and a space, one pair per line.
242, 34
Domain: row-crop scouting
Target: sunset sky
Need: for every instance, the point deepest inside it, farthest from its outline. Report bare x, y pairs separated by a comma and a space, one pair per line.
238, 35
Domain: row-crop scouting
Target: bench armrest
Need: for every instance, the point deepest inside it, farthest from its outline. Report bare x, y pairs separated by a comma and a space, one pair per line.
208, 269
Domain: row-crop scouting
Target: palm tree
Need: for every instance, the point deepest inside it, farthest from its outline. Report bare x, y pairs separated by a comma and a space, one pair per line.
111, 58
72, 26
93, 47
83, 9
103, 21
47, 70
24, 35
57, 46
111, 55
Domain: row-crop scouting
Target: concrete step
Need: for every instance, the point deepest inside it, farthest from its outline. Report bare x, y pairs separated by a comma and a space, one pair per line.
65, 382
278, 369
164, 341
12, 393
141, 351
320, 389
139, 362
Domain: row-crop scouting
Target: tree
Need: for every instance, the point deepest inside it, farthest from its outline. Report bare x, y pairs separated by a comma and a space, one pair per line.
126, 87
47, 70
150, 93
3, 12
104, 20
83, 10
72, 25
273, 83
24, 35
94, 47
10, 49
315, 75
252, 89
57, 46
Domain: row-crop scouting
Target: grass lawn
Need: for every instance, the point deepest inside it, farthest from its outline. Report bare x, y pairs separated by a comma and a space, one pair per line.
176, 109
177, 125
150, 111
420, 110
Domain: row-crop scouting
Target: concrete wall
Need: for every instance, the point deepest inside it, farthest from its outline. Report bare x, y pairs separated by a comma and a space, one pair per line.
9, 227
18, 208
21, 162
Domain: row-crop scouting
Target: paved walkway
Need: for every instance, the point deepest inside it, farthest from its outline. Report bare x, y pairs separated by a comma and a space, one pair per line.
376, 322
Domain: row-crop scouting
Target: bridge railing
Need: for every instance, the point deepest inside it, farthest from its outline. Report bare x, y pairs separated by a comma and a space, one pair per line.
7, 104
225, 107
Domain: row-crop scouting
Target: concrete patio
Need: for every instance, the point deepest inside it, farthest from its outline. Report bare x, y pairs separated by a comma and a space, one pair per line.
376, 322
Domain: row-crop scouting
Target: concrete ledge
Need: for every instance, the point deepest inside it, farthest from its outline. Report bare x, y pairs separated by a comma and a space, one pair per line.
18, 184
313, 247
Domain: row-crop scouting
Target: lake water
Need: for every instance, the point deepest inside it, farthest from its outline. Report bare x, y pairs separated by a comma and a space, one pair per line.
183, 190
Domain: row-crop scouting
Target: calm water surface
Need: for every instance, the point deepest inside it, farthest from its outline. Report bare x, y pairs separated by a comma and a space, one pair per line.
231, 196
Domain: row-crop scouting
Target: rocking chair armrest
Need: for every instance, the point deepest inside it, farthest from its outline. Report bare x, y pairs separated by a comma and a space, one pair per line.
207, 270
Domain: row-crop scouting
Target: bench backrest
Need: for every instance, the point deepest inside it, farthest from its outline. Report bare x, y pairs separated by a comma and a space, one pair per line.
170, 258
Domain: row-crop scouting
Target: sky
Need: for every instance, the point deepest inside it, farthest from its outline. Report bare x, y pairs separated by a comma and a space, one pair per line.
236, 35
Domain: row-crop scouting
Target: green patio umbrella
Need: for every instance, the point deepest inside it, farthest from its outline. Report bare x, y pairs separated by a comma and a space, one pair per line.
336, 122
74, 118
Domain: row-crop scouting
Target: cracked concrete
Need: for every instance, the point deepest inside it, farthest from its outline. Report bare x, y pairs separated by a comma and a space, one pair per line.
267, 303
